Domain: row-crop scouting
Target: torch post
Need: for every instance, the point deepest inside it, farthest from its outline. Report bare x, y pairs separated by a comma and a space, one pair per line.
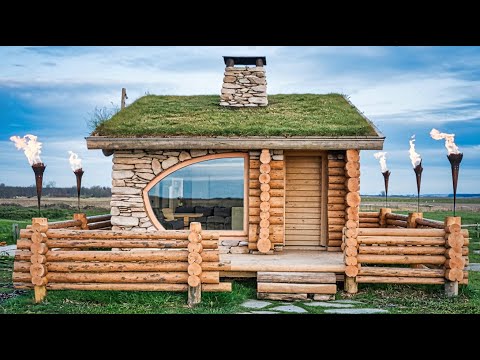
79, 173
386, 177
455, 160
418, 174
38, 169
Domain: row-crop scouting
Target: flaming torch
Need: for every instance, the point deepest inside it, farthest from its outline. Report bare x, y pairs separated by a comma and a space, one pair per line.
76, 164
382, 158
454, 156
417, 167
32, 149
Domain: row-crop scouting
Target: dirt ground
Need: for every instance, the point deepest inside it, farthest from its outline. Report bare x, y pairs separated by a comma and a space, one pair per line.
96, 202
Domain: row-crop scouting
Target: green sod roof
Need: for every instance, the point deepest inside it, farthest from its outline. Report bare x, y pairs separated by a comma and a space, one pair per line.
285, 115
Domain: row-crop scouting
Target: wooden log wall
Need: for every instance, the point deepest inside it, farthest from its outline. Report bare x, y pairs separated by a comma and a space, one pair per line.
52, 259
455, 263
337, 188
81, 221
369, 219
266, 201
352, 217
407, 248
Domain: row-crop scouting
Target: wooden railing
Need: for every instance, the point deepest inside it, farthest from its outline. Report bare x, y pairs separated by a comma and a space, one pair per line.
62, 259
81, 221
407, 249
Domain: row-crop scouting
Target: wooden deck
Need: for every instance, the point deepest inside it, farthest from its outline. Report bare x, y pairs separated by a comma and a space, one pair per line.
288, 260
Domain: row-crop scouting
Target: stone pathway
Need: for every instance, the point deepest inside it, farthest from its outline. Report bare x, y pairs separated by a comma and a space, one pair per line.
8, 250
474, 267
345, 306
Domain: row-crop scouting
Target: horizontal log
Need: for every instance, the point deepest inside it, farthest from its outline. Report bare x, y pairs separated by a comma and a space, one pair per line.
401, 272
398, 280
297, 288
429, 223
144, 244
151, 255
22, 277
281, 297
400, 240
402, 250
364, 214
336, 200
336, 207
117, 287
336, 179
220, 287
336, 221
370, 220
401, 232
398, 223
335, 228
296, 277
335, 214
100, 225
335, 235
123, 266
369, 225
98, 218
64, 224
336, 171
22, 255
211, 277
393, 216
401, 259
336, 164
336, 187
333, 242
24, 244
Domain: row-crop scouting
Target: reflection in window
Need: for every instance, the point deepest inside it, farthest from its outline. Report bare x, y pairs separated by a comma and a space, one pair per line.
210, 192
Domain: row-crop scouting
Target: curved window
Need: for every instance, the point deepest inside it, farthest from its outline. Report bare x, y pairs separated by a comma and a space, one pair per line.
209, 191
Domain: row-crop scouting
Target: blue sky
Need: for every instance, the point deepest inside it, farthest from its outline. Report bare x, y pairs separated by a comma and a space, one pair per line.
49, 91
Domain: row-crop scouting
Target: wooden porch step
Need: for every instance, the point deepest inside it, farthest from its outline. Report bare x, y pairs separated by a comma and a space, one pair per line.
290, 286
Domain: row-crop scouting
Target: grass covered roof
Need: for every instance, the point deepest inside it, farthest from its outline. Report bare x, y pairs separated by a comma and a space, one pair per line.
201, 115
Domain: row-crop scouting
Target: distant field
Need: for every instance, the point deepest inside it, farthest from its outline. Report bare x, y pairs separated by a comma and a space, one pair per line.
426, 204
71, 201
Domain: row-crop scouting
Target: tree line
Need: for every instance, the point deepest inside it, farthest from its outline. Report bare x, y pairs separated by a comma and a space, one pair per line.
10, 192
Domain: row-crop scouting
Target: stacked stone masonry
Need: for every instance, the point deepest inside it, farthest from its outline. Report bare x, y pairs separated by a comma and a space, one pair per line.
244, 87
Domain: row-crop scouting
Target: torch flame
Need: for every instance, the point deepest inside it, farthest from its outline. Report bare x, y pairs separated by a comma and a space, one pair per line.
30, 146
381, 157
75, 161
449, 141
414, 156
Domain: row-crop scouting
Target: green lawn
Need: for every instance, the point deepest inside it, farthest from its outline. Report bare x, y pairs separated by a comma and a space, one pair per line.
285, 115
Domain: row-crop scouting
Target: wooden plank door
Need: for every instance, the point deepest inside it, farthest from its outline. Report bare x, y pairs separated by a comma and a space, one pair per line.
303, 202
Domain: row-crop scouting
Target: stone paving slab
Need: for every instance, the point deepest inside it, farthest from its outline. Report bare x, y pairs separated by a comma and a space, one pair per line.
8, 250
263, 312
256, 304
356, 311
474, 267
290, 309
329, 304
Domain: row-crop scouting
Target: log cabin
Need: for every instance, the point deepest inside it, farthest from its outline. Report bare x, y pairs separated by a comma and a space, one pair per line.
243, 185
274, 175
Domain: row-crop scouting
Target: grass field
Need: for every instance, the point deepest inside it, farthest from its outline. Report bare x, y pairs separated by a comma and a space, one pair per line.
397, 299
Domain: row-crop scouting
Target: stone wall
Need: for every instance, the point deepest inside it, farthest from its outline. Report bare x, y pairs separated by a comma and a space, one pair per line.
244, 87
132, 171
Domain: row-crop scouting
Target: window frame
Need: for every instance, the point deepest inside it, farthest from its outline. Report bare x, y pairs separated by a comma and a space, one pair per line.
165, 173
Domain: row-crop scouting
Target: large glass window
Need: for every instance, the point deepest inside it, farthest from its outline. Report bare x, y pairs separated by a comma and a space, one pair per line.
210, 192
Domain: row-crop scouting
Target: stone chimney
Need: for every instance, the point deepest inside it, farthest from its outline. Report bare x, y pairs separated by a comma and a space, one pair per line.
244, 86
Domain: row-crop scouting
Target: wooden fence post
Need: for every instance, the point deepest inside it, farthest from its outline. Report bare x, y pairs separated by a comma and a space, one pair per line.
39, 248
15, 232
455, 263
83, 218
412, 219
352, 223
382, 220
195, 249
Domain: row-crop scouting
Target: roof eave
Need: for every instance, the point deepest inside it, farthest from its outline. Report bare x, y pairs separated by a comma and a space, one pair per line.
238, 143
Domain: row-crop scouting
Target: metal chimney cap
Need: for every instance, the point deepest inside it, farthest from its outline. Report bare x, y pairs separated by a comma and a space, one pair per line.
245, 60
